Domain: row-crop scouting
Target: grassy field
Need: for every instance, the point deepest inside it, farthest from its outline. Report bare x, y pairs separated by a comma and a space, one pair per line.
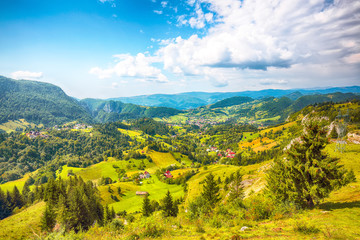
11, 126
106, 168
278, 128
163, 160
18, 183
23, 224
258, 144
131, 202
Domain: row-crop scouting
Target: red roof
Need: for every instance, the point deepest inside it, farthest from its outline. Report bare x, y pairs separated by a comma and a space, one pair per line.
168, 174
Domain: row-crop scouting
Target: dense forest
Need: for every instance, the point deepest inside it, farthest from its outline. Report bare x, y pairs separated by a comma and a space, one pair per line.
20, 154
38, 102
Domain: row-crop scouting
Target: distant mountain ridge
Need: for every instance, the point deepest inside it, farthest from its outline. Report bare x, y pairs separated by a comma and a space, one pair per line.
192, 100
270, 110
45, 103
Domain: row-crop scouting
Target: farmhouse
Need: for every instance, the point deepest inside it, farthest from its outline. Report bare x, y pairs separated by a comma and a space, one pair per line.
167, 174
34, 134
142, 193
146, 174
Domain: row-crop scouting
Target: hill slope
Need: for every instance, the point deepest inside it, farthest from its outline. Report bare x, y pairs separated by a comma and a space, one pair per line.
110, 111
37, 102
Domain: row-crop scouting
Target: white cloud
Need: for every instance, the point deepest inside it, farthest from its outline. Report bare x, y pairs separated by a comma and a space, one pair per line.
164, 4
273, 82
158, 12
139, 67
26, 75
263, 35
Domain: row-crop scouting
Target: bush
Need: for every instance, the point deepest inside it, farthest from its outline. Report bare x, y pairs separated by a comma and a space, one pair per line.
286, 209
306, 228
259, 208
130, 218
199, 227
116, 225
216, 222
152, 231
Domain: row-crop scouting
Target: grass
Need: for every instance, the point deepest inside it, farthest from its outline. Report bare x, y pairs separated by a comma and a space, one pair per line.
63, 172
163, 160
278, 128
133, 134
258, 144
11, 126
183, 158
157, 190
23, 224
8, 186
106, 169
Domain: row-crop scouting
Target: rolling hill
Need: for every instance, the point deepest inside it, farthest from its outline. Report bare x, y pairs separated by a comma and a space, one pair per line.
38, 102
270, 110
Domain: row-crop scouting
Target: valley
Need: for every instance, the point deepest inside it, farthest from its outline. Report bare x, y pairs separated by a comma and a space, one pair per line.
178, 157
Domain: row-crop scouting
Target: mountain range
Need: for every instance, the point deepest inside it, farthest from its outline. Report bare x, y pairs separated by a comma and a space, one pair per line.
191, 100
45, 103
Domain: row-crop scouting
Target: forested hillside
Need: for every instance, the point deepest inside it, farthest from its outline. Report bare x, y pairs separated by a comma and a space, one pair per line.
110, 111
38, 102
265, 111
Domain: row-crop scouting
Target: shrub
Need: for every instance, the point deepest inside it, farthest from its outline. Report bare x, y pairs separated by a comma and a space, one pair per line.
152, 231
216, 222
306, 228
259, 208
199, 227
116, 225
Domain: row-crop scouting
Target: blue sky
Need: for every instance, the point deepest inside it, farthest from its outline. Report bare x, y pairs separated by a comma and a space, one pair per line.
113, 48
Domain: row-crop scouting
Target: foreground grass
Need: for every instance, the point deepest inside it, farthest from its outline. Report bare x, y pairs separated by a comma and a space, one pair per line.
23, 224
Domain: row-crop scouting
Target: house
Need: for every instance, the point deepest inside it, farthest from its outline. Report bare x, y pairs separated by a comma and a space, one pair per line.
147, 174
167, 174
141, 193
34, 134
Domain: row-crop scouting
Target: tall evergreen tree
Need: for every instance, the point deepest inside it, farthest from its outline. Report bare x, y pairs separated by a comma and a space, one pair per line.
211, 190
169, 209
5, 210
146, 207
307, 175
237, 190
16, 198
48, 218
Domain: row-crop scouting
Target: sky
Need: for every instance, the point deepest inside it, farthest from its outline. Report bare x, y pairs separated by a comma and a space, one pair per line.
120, 48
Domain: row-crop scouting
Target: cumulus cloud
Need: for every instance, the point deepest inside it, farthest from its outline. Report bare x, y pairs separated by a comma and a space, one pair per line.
126, 65
273, 82
158, 12
259, 35
27, 75
255, 43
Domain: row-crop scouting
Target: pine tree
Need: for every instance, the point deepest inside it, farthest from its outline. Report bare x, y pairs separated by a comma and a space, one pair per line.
16, 198
48, 218
333, 133
237, 190
168, 206
26, 193
210, 190
5, 210
107, 215
307, 175
146, 207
